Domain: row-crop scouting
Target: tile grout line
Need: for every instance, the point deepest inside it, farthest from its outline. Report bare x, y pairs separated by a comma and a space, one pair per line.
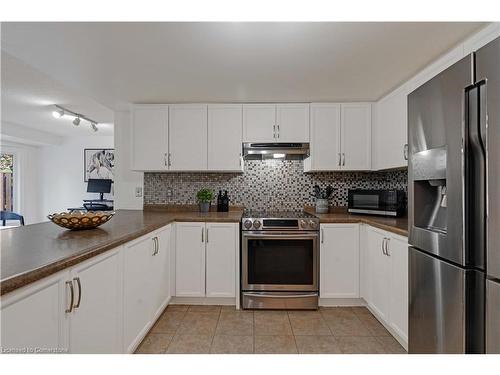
176, 329
293, 333
215, 331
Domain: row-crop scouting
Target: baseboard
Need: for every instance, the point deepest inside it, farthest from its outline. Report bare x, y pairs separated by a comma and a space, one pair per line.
227, 301
340, 302
399, 338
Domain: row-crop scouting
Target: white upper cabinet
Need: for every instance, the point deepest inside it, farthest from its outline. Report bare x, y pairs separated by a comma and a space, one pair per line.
339, 254
150, 138
356, 121
188, 137
325, 138
259, 122
340, 137
292, 123
390, 131
276, 122
225, 137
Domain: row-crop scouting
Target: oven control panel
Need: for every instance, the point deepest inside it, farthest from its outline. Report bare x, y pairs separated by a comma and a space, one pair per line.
301, 224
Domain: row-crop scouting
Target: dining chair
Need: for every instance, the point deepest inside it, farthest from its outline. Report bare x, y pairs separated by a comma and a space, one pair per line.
8, 215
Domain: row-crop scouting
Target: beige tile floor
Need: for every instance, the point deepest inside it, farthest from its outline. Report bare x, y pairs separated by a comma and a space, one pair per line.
223, 329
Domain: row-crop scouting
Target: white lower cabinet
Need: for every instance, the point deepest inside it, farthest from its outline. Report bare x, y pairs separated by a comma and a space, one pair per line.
77, 310
190, 260
160, 270
398, 313
205, 259
146, 287
33, 318
379, 273
95, 322
339, 261
387, 280
137, 301
222, 244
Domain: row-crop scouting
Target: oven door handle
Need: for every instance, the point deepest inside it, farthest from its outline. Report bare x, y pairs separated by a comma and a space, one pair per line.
280, 296
282, 235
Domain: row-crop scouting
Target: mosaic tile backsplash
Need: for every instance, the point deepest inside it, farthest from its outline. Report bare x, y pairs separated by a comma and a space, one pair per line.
269, 184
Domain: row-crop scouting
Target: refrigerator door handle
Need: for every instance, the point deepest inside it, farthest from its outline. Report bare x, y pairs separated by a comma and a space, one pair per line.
475, 178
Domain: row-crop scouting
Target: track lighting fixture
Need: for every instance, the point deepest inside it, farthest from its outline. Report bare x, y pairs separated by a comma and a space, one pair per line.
59, 112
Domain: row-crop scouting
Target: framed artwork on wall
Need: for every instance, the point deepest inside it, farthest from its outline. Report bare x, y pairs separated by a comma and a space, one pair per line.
98, 163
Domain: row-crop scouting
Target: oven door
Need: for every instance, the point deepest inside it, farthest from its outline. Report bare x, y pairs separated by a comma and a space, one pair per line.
280, 261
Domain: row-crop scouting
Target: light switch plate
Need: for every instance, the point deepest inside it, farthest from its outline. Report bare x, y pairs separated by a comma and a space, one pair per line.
138, 191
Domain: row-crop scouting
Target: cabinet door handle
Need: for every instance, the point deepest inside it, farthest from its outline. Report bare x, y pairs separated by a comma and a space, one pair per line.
206, 238
72, 294
165, 159
274, 131
383, 246
322, 236
169, 159
343, 159
77, 279
202, 231
340, 159
278, 128
154, 246
405, 151
387, 247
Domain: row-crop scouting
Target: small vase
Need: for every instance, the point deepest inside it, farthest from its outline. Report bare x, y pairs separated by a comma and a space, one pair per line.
321, 206
204, 206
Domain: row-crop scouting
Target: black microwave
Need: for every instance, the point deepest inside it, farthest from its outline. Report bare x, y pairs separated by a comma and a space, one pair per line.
377, 202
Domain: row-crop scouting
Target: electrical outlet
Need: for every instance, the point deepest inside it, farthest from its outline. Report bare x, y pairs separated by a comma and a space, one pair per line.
169, 193
138, 191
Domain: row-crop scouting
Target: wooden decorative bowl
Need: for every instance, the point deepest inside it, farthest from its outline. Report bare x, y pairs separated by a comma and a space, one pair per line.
81, 219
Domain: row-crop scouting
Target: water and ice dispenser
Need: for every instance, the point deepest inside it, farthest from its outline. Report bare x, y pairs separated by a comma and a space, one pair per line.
430, 191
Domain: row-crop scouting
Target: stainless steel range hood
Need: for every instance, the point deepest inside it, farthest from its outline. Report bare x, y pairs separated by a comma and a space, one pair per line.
262, 151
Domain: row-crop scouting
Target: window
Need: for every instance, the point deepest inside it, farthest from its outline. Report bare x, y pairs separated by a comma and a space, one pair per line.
7, 182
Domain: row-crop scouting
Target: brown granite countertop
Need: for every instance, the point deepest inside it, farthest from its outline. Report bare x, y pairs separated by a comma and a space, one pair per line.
33, 252
397, 225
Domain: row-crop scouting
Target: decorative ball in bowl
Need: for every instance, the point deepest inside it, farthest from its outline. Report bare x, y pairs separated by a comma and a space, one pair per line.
81, 219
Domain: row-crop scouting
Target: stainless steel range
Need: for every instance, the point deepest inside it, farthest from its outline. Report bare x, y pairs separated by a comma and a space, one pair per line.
280, 260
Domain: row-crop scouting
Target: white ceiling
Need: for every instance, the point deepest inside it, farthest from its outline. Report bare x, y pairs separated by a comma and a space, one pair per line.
122, 63
28, 97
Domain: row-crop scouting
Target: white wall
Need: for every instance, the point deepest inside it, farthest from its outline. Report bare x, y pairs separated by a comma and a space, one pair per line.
61, 172
126, 180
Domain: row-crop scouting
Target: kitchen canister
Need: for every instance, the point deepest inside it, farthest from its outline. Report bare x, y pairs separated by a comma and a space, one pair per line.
321, 206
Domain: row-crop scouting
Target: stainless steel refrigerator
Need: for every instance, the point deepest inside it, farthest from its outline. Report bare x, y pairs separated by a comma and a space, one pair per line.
454, 208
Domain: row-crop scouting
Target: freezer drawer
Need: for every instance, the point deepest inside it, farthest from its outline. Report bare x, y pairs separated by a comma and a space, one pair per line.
492, 317
445, 312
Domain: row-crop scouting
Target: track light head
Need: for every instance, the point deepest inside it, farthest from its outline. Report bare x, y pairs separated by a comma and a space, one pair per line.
94, 127
58, 113
76, 121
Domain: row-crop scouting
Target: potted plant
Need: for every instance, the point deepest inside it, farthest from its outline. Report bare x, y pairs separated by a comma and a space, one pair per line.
204, 197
